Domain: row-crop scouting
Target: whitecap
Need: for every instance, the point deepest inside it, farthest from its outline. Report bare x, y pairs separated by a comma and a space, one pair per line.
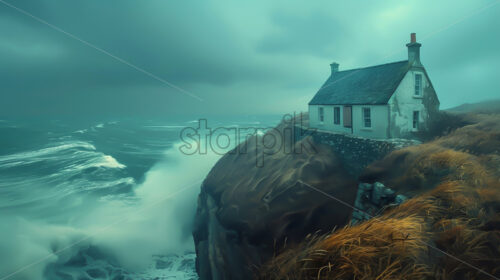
110, 162
110, 184
46, 151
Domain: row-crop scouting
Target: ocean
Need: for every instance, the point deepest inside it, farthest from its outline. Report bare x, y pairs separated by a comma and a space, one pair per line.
108, 199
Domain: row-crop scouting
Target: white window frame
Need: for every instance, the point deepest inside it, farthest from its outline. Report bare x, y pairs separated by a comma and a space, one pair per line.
365, 118
418, 84
321, 114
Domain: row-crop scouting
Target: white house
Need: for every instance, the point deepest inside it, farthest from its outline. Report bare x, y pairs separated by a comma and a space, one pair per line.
391, 100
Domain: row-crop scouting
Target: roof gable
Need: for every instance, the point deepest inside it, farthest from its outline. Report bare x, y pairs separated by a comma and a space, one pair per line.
371, 85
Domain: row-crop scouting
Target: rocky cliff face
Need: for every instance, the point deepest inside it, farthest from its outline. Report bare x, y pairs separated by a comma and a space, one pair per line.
247, 214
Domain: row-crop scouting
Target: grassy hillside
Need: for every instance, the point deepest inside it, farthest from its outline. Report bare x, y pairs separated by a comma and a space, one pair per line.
450, 229
489, 106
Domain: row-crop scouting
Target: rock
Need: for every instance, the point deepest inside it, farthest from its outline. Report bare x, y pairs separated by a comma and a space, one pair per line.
246, 214
377, 193
400, 199
371, 199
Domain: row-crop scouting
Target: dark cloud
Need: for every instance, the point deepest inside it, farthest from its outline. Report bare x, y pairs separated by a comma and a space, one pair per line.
317, 34
260, 58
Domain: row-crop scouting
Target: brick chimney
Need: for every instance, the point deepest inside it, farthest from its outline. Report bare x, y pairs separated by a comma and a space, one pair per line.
414, 50
335, 67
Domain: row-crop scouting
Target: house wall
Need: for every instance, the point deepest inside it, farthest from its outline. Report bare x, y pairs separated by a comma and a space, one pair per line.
404, 102
328, 122
379, 120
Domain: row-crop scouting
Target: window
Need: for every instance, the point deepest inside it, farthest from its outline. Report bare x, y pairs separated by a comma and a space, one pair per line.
367, 118
321, 114
336, 115
416, 116
418, 84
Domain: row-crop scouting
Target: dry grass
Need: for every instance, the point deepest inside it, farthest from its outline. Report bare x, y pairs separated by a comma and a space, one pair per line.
455, 181
374, 250
406, 242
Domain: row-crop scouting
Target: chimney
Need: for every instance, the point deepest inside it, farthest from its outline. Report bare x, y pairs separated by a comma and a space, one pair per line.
414, 50
335, 67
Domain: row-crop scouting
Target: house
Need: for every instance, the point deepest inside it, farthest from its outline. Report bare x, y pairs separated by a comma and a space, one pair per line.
393, 100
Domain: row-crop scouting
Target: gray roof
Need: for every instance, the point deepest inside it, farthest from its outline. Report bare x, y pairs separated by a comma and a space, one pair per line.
363, 86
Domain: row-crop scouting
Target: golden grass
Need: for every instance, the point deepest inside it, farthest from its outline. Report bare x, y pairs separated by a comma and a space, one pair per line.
404, 243
455, 181
385, 249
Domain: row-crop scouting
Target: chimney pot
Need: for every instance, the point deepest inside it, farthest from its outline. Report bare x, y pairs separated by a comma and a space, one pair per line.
414, 50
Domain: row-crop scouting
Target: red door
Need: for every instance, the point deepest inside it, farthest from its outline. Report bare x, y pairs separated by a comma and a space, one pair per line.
347, 116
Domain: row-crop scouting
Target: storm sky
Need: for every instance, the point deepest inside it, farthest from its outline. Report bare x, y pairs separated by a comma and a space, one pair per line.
239, 57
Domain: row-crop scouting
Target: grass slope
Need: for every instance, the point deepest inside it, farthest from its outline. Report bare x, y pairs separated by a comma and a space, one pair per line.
450, 229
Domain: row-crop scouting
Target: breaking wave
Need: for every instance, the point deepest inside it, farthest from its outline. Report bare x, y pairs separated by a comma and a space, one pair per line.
115, 202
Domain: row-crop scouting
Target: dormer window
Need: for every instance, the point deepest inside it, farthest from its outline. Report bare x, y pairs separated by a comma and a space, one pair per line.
418, 84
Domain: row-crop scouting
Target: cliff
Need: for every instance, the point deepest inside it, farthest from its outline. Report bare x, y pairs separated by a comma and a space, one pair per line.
247, 213
289, 218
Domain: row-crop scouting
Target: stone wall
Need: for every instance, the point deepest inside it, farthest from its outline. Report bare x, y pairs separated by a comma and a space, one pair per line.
354, 152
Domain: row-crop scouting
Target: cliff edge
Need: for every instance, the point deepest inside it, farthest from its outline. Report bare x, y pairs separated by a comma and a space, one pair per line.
262, 198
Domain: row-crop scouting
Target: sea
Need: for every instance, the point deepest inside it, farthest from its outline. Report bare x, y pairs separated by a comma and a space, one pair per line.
104, 199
